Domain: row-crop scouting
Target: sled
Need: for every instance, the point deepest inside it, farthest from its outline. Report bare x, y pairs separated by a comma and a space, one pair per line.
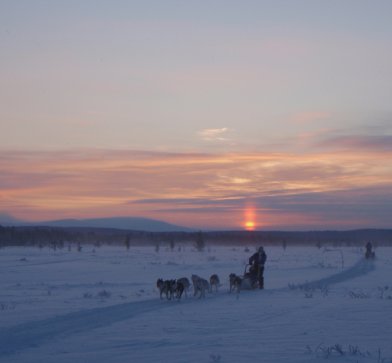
249, 280
370, 255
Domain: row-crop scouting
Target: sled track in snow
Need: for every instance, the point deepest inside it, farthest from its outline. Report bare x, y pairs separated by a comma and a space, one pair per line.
33, 334
362, 267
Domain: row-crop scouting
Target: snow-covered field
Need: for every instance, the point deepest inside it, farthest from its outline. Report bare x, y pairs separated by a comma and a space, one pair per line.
101, 305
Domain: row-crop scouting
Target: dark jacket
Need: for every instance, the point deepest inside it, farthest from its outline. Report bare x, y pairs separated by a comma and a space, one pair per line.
258, 258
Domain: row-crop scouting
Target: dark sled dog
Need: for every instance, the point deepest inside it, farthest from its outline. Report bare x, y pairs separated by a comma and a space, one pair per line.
166, 287
235, 282
186, 284
214, 281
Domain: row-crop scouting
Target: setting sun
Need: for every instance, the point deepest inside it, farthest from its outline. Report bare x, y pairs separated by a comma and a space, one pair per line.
250, 226
250, 217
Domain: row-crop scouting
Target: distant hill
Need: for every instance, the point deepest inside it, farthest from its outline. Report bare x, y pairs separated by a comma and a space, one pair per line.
7, 220
129, 223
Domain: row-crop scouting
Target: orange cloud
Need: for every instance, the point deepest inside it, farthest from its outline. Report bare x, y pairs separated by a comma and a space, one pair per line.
194, 189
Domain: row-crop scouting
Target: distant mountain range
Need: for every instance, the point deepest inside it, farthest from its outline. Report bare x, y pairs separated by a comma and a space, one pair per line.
128, 223
7, 220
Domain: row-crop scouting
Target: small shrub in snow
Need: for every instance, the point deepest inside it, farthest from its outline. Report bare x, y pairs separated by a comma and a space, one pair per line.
329, 351
383, 291
309, 290
337, 350
358, 295
87, 295
171, 263
381, 359
293, 286
6, 306
215, 358
354, 350
104, 294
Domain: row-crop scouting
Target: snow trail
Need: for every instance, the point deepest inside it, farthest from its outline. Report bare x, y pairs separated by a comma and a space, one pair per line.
33, 334
361, 268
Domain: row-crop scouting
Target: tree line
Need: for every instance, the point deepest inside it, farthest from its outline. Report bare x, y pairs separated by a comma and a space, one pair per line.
58, 237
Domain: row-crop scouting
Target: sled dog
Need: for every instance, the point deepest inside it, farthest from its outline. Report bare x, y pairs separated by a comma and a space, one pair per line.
214, 281
178, 289
235, 282
200, 285
166, 287
185, 282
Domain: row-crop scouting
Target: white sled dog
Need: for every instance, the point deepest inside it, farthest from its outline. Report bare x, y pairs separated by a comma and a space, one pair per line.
200, 285
214, 281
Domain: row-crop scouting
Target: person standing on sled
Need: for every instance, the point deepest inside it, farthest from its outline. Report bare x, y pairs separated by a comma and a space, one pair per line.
369, 253
257, 262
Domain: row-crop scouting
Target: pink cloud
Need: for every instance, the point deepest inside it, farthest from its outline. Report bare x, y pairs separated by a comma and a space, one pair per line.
307, 117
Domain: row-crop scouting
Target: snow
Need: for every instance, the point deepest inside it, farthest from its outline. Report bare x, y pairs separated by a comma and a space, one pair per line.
101, 305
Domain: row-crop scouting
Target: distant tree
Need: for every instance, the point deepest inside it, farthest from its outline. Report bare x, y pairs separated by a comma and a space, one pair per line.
172, 244
199, 242
128, 242
284, 244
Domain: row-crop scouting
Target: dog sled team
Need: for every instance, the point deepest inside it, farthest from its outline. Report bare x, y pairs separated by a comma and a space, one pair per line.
173, 289
253, 278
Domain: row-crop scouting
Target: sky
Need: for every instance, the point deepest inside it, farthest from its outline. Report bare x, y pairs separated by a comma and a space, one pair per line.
207, 114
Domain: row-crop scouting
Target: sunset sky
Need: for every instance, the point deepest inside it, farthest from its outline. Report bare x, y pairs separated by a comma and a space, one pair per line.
207, 114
